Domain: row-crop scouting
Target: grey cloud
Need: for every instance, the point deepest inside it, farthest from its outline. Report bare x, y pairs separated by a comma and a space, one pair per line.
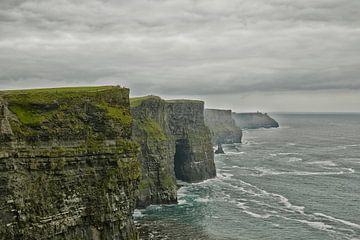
182, 47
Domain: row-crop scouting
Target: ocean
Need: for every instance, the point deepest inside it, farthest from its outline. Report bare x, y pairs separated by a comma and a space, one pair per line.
299, 181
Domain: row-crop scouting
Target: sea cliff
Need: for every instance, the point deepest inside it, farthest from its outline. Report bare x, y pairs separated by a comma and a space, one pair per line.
75, 162
222, 126
68, 166
254, 120
177, 145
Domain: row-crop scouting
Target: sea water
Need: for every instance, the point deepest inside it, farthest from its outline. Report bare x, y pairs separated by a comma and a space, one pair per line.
299, 181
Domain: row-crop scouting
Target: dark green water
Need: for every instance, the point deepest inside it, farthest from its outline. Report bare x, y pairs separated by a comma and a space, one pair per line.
301, 181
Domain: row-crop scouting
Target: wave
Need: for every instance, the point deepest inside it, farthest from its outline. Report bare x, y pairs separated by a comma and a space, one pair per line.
323, 163
234, 153
266, 172
202, 200
348, 223
295, 159
257, 215
138, 213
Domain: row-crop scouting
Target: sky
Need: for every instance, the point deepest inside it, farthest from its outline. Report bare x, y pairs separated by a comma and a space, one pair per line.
245, 55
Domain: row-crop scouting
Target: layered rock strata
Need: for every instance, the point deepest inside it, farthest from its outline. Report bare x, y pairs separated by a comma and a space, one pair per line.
177, 145
222, 126
254, 120
68, 166
151, 131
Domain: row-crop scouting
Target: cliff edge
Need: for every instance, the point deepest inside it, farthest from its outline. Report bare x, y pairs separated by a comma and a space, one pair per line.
222, 126
254, 120
68, 166
175, 144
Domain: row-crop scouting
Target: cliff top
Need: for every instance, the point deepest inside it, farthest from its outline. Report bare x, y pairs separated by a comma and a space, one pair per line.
136, 101
67, 113
184, 101
250, 113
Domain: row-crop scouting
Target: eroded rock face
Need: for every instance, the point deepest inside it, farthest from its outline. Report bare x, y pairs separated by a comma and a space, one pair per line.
254, 120
194, 157
222, 126
151, 131
175, 143
68, 166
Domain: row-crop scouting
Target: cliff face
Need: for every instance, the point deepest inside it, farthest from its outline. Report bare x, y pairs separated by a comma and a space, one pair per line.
68, 167
151, 131
222, 126
176, 145
254, 120
194, 156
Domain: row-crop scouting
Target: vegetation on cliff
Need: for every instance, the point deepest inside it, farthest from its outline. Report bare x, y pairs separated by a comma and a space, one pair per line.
69, 168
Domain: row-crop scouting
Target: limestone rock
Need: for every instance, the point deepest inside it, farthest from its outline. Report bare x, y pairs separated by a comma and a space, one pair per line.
175, 143
222, 126
254, 120
69, 169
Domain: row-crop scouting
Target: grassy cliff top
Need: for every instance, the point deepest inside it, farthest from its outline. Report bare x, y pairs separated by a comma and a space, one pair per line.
58, 90
174, 101
69, 113
136, 101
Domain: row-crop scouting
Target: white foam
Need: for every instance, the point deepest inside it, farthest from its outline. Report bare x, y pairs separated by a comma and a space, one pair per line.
291, 144
257, 215
266, 172
234, 153
317, 225
287, 204
202, 200
241, 205
182, 202
138, 213
295, 159
348, 223
323, 163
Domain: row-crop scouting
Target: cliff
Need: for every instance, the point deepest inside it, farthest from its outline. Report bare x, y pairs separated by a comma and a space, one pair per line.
177, 145
254, 120
222, 126
151, 131
68, 166
194, 156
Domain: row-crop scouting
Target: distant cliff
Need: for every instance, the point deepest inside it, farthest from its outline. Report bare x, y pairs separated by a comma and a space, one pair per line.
175, 144
68, 167
222, 126
254, 120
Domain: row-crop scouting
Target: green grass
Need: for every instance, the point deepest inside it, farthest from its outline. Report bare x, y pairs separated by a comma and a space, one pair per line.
136, 101
56, 90
56, 112
28, 116
153, 130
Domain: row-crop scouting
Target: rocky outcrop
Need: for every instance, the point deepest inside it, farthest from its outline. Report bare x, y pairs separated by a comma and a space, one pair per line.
68, 166
151, 131
254, 120
175, 143
222, 126
194, 157
219, 149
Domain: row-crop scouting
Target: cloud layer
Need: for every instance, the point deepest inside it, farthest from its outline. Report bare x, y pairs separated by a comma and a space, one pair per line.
202, 48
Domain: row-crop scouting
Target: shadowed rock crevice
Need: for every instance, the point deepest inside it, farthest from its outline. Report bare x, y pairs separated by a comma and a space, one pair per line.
175, 144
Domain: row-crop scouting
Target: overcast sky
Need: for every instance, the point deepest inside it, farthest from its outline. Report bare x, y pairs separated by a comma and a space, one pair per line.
248, 55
